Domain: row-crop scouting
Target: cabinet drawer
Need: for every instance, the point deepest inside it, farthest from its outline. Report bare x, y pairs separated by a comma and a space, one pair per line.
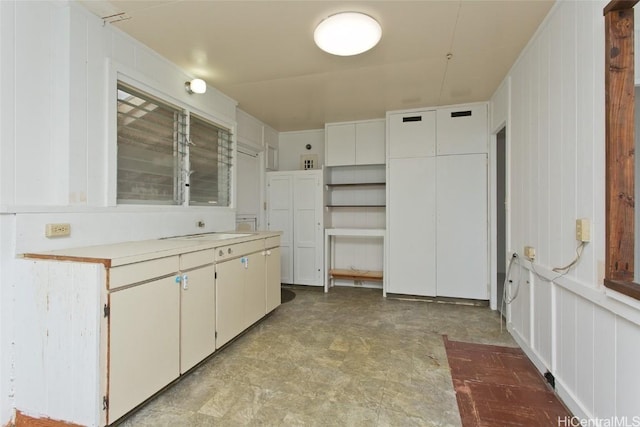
196, 259
272, 242
239, 249
142, 271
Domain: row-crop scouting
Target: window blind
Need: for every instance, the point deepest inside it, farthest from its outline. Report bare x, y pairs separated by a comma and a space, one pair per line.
150, 136
210, 158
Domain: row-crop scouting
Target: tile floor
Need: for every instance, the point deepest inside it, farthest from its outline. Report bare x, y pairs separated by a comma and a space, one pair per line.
347, 358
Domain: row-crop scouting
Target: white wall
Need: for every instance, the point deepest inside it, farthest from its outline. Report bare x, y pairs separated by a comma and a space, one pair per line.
588, 337
292, 146
58, 67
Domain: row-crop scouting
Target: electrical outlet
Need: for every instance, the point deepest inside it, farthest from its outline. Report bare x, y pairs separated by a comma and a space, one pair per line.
583, 230
530, 252
57, 230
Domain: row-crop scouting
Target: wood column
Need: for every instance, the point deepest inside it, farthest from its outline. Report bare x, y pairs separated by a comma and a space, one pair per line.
620, 143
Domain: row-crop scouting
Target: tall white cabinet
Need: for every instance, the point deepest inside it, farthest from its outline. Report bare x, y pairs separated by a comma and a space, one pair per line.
437, 228
295, 207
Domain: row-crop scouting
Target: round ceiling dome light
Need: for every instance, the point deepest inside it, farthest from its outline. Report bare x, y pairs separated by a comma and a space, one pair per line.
347, 33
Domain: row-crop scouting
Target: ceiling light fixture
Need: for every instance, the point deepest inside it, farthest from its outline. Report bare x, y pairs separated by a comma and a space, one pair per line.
347, 33
196, 86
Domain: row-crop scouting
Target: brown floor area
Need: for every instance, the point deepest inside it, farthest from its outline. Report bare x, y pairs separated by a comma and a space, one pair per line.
499, 386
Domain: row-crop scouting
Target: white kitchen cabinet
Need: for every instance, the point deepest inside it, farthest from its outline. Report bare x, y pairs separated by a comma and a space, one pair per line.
121, 321
462, 226
462, 130
272, 254
144, 342
229, 300
294, 206
412, 227
437, 218
340, 143
355, 143
241, 288
197, 315
255, 294
412, 134
173, 316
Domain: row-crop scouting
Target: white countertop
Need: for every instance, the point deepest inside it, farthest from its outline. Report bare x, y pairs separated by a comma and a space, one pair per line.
116, 254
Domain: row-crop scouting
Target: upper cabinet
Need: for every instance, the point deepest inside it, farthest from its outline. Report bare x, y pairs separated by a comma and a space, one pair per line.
355, 143
414, 134
462, 130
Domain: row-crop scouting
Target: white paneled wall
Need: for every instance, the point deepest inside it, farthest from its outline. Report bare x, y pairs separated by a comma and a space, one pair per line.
587, 337
58, 65
293, 144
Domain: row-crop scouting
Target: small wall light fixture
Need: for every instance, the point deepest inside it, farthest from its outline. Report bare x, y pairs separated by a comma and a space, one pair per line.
347, 33
196, 86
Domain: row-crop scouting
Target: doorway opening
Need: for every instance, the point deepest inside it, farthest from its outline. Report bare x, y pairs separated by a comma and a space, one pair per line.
501, 214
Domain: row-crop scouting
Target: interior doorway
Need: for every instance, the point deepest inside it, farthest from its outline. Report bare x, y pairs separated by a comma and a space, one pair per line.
501, 215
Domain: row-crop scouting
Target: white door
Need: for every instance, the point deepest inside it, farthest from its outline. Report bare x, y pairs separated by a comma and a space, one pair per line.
248, 188
462, 226
144, 343
462, 130
280, 218
198, 316
412, 134
255, 294
341, 144
273, 278
308, 239
411, 232
230, 302
370, 139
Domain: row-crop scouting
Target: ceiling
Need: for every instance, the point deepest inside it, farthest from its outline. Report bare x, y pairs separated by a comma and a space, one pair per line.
262, 54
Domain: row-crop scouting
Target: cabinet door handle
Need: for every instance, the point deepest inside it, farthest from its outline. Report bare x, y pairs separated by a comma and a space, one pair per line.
268, 252
185, 282
220, 253
229, 251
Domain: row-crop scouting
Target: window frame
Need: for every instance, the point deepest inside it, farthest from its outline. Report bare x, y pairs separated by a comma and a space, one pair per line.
119, 73
620, 148
178, 143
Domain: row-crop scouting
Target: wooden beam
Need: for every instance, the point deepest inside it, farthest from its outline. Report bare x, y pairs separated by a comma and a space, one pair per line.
619, 5
620, 145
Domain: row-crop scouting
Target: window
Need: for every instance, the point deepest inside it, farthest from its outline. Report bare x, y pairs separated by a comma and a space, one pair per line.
166, 155
210, 157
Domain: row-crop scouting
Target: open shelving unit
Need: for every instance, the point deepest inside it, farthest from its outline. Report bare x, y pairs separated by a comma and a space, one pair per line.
355, 210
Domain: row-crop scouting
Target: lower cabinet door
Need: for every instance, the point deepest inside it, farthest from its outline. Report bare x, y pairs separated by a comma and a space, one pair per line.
254, 291
198, 316
144, 343
412, 226
273, 279
229, 300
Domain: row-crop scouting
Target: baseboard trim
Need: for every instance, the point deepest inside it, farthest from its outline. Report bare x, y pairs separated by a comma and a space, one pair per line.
564, 394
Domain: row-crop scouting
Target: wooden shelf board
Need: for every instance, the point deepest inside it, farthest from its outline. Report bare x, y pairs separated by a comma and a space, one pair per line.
358, 184
356, 274
356, 206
